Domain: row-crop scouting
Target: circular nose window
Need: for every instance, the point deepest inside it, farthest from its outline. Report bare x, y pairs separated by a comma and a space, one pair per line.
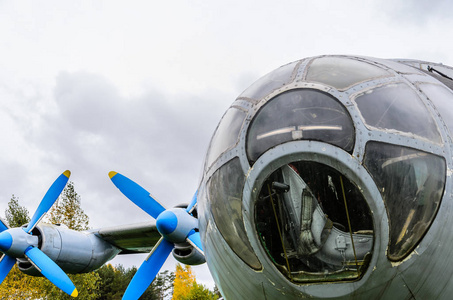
314, 223
300, 114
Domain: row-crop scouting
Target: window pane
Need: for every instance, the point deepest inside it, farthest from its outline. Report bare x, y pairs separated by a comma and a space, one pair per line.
227, 133
443, 101
397, 107
303, 225
301, 114
342, 73
270, 82
411, 183
225, 194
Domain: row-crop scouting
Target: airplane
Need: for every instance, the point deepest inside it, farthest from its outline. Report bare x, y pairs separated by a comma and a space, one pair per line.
328, 178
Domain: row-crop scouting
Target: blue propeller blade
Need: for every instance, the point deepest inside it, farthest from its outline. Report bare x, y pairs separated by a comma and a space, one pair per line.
49, 199
148, 270
195, 240
51, 270
3, 225
6, 264
192, 203
136, 194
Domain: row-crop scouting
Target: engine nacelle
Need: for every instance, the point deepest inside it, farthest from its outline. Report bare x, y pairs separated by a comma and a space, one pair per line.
73, 251
188, 255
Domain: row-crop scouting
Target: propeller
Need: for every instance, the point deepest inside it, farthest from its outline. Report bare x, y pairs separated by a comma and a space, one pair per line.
176, 225
19, 242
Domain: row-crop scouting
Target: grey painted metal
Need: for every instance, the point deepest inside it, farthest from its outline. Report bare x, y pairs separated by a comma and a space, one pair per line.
73, 251
21, 240
425, 274
187, 254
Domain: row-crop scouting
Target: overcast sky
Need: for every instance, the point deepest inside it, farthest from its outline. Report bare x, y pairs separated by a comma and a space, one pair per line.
139, 86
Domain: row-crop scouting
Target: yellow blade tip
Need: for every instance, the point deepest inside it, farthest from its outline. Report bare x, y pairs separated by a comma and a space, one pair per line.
75, 293
67, 173
112, 173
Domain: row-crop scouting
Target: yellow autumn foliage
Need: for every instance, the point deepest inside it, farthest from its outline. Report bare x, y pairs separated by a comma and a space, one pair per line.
184, 281
17, 285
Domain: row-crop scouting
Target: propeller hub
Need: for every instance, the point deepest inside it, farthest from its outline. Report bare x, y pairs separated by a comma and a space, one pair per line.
175, 224
15, 241
167, 222
6, 240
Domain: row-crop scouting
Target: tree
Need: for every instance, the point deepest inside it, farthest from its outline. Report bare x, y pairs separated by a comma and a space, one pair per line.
162, 286
17, 285
67, 210
200, 292
187, 288
16, 215
87, 286
113, 281
184, 280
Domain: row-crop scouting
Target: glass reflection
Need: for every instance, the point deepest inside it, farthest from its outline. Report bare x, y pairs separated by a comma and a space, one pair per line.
301, 114
225, 194
342, 73
270, 82
227, 133
443, 101
393, 107
411, 183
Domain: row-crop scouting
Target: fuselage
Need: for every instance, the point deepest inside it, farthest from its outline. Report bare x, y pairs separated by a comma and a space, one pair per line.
330, 178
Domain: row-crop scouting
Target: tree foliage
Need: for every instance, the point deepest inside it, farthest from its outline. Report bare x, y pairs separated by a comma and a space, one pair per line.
162, 286
199, 292
16, 215
87, 286
67, 210
17, 285
114, 281
187, 288
184, 280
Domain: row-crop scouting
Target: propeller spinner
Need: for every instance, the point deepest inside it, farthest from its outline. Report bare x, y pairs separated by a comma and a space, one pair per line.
19, 242
176, 225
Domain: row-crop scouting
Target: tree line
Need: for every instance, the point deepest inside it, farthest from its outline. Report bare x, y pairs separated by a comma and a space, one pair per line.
106, 283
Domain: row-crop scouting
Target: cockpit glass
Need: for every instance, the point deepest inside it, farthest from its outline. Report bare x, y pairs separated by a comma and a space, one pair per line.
227, 134
443, 101
314, 223
270, 82
301, 114
225, 196
342, 73
411, 183
393, 107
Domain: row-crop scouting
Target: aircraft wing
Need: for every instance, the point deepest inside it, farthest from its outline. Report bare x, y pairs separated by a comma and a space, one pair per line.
132, 238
